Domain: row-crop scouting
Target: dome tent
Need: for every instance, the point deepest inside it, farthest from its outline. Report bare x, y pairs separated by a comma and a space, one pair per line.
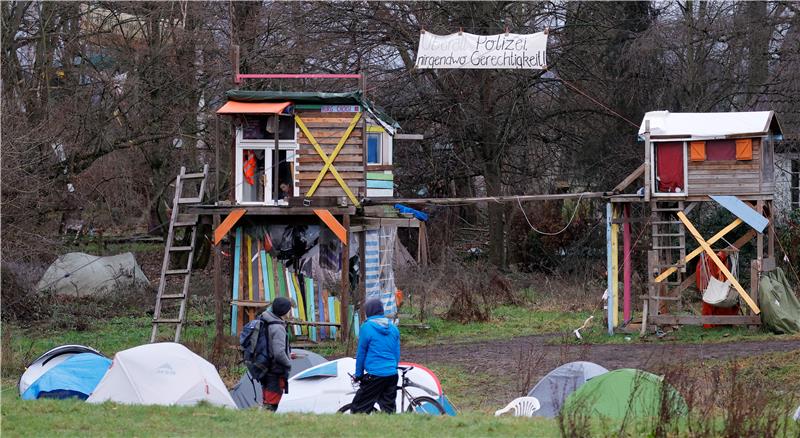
161, 374
77, 376
48, 360
614, 394
559, 383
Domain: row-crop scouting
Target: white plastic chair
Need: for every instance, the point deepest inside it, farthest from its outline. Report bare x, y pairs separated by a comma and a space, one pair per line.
522, 407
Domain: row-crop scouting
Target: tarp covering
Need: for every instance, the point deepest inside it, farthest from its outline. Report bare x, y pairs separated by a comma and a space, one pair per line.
313, 98
707, 125
48, 360
161, 374
779, 305
325, 395
614, 394
247, 393
77, 376
78, 274
234, 107
558, 384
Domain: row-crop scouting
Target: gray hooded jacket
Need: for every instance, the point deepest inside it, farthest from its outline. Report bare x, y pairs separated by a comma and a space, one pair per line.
278, 344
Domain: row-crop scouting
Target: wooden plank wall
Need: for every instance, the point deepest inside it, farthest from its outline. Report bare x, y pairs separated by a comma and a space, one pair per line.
327, 129
728, 177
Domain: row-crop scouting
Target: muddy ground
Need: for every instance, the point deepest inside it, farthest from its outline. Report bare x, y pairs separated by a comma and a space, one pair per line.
505, 369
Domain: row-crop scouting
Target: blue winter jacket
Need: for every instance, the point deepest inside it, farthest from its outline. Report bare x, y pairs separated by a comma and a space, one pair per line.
378, 347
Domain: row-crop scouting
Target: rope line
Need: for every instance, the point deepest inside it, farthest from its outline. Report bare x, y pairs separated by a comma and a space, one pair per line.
574, 213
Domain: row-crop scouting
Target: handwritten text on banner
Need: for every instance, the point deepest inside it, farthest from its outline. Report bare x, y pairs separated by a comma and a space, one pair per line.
466, 50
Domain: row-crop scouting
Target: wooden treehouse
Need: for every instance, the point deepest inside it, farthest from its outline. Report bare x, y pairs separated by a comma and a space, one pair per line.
695, 162
305, 166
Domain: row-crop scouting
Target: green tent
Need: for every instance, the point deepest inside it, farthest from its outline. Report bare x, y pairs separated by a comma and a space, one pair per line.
614, 393
779, 305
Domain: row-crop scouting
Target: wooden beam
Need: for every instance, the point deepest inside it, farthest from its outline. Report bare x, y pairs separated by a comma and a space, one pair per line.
630, 179
710, 319
408, 137
222, 229
344, 301
663, 276
710, 252
521, 198
334, 225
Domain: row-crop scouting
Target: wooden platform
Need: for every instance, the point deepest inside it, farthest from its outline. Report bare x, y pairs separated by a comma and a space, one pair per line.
261, 210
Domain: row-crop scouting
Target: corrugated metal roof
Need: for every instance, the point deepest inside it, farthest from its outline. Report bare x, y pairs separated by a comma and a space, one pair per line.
664, 124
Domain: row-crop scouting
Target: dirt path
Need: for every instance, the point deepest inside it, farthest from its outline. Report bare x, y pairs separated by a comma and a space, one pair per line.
510, 366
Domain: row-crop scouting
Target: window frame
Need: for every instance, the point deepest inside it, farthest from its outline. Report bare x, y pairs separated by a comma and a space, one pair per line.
379, 137
291, 147
654, 168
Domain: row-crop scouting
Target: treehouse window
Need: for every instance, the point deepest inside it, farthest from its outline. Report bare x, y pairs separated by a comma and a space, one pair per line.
263, 128
721, 150
255, 177
670, 175
374, 148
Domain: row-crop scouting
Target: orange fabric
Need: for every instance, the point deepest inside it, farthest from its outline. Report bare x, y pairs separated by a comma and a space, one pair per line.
399, 297
227, 224
744, 149
232, 107
249, 167
333, 224
697, 151
274, 398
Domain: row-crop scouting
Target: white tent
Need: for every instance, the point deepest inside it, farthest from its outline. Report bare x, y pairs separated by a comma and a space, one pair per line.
327, 387
554, 388
78, 274
161, 374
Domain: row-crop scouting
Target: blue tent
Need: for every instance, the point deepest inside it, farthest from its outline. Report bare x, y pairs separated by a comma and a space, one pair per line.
77, 377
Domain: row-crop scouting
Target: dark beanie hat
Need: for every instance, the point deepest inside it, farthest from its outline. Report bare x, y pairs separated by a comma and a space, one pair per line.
281, 306
372, 307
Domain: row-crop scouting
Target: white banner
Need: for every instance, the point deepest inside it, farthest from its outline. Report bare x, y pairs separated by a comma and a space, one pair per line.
466, 50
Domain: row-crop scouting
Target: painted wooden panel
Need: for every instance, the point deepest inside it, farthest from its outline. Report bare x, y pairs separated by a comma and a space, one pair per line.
373, 184
236, 256
380, 193
380, 176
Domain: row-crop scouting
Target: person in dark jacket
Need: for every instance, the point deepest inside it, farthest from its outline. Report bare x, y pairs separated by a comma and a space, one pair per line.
376, 361
274, 384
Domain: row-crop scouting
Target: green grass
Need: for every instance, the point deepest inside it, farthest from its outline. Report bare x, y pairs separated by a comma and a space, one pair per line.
75, 418
506, 322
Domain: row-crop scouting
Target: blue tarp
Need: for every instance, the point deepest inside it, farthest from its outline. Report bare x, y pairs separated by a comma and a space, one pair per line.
77, 376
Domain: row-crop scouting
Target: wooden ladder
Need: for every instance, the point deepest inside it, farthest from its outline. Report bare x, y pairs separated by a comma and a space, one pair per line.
189, 223
669, 248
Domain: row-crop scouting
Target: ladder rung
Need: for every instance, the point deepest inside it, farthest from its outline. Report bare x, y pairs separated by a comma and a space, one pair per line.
193, 176
181, 248
660, 298
184, 224
667, 247
669, 235
167, 321
665, 222
667, 209
172, 296
189, 200
176, 271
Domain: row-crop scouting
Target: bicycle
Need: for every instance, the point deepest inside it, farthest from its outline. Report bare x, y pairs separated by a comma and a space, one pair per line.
422, 404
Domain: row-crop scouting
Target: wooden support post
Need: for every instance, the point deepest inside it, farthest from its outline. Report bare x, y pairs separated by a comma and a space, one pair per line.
718, 262
219, 299
760, 237
609, 270
626, 264
362, 269
755, 272
770, 231
344, 301
615, 264
647, 161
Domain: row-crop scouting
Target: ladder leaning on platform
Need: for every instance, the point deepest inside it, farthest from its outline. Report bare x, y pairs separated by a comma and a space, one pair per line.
189, 222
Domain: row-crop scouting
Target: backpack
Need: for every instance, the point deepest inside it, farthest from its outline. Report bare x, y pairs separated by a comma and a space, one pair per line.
254, 341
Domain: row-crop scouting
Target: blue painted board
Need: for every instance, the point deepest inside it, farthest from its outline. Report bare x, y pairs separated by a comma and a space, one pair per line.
742, 211
376, 184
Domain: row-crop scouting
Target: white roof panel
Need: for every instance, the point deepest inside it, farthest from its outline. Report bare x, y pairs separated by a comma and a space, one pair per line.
704, 125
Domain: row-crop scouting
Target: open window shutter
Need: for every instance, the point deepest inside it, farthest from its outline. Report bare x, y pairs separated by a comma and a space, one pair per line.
744, 149
697, 151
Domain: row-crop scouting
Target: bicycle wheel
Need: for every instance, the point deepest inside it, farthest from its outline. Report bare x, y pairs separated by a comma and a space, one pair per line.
425, 405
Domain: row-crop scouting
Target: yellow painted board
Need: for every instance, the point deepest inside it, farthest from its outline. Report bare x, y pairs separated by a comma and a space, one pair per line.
615, 266
698, 250
722, 268
301, 305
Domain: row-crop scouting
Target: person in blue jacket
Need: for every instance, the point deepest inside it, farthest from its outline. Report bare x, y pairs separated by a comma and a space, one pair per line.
376, 361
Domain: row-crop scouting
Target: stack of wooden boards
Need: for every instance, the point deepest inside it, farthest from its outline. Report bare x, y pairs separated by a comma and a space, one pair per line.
259, 277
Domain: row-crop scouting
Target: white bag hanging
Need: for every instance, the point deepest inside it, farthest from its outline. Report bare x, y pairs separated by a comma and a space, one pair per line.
720, 294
